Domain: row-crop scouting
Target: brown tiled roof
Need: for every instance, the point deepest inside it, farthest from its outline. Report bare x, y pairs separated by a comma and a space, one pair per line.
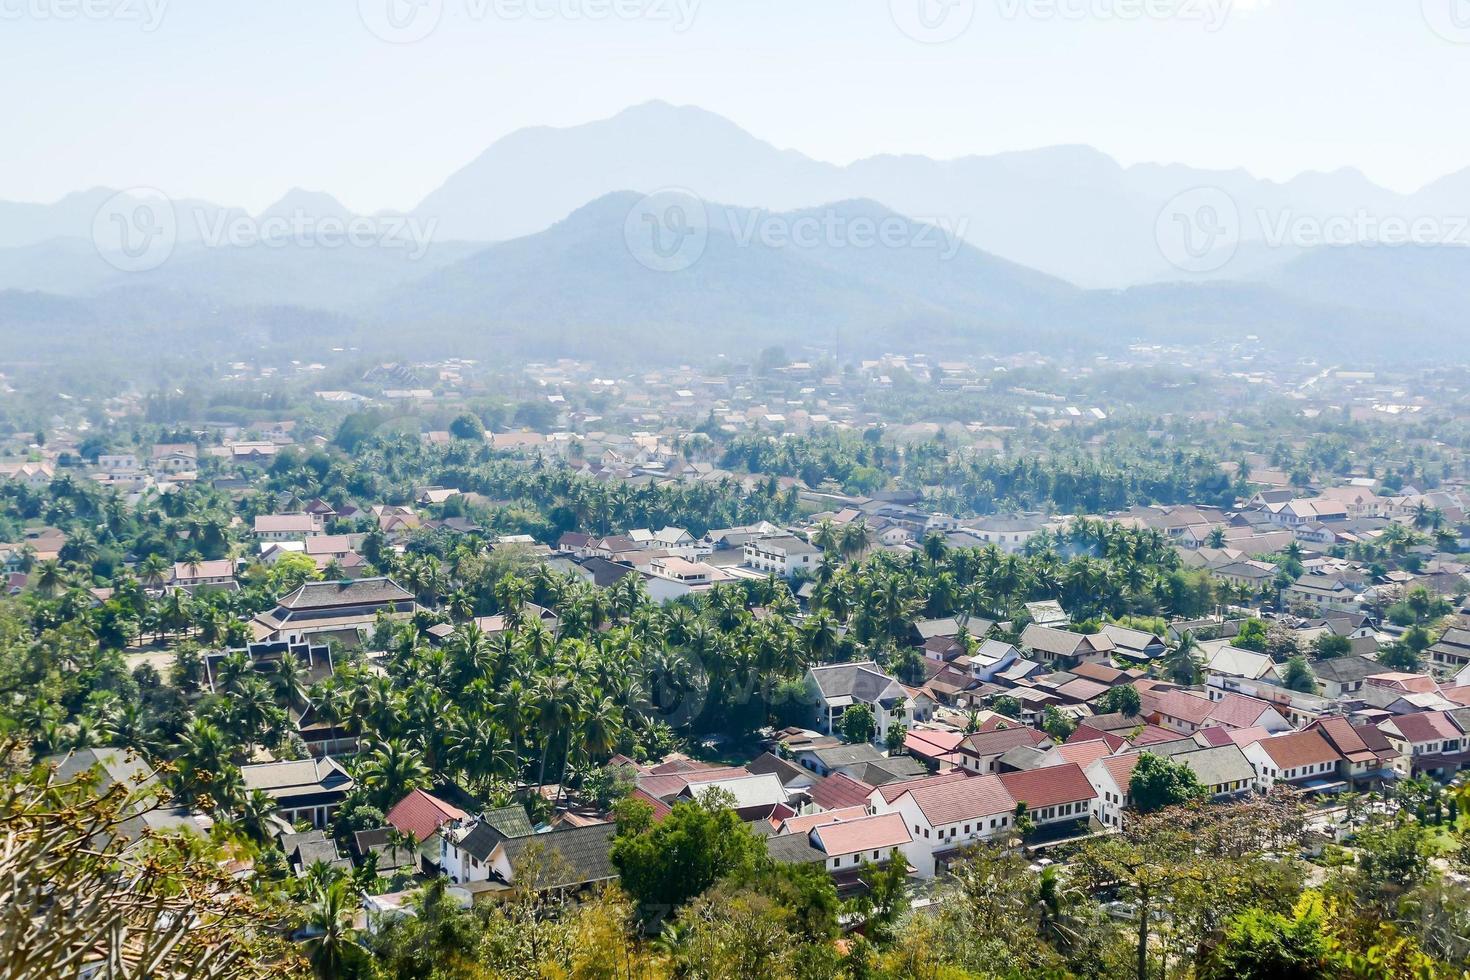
998, 741
1297, 749
1082, 689
1101, 673
660, 808
1341, 734
1426, 726
839, 791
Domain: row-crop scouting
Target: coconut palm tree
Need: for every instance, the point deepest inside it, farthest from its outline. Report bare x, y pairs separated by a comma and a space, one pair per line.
50, 578
553, 699
253, 815
288, 678
1184, 662
329, 918
391, 770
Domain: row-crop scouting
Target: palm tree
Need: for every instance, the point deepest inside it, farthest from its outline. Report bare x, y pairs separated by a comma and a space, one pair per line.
50, 578
854, 540
1183, 663
329, 917
553, 699
289, 680
509, 711
391, 771
254, 815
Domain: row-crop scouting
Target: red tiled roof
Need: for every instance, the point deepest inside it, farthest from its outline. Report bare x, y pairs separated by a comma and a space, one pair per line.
1426, 726
1184, 706
1297, 749
801, 824
892, 791
1051, 786
955, 800
1248, 736
1417, 683
422, 815
1120, 768
1214, 736
1085, 733
1153, 735
1085, 753
660, 808
1459, 695
1000, 740
931, 743
1238, 711
673, 783
864, 834
838, 791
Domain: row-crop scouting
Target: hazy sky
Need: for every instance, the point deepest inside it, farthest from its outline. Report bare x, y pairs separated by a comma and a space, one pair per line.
238, 100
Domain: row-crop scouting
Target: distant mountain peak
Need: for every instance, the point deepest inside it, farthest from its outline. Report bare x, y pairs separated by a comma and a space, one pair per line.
299, 200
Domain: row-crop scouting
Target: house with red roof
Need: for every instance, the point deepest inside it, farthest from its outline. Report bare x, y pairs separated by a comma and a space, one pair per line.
1304, 760
802, 823
1427, 742
839, 791
422, 814
1368, 757
872, 838
946, 813
979, 751
1188, 712
1110, 777
1054, 795
934, 748
1083, 753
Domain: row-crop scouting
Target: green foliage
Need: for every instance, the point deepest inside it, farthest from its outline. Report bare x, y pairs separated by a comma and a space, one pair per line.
893, 740
665, 865
1263, 945
858, 725
1123, 699
1057, 725
1007, 705
1298, 676
1251, 636
1158, 782
467, 426
1329, 646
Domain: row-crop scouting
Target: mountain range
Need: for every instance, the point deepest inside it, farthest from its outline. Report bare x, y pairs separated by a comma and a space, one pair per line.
527, 246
